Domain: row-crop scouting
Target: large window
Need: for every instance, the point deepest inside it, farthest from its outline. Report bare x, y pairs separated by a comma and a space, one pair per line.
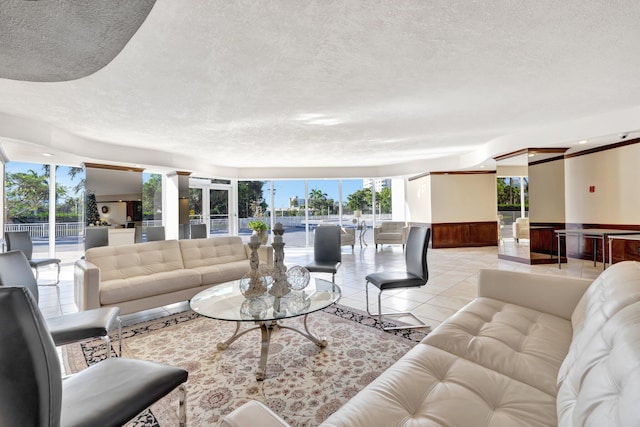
289, 201
27, 207
253, 205
151, 200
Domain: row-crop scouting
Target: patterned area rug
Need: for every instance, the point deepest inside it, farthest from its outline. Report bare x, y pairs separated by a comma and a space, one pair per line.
304, 384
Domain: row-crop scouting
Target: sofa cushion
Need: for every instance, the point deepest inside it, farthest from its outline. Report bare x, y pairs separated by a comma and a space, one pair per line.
602, 385
220, 273
137, 287
521, 343
139, 259
617, 287
428, 387
205, 252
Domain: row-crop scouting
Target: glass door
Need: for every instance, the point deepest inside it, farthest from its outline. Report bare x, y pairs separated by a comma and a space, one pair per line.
219, 211
209, 205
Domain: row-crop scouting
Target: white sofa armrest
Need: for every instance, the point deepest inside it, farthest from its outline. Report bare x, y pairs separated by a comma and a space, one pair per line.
252, 413
556, 295
86, 283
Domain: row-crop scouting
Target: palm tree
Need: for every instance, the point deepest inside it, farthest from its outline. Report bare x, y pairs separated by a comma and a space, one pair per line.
317, 199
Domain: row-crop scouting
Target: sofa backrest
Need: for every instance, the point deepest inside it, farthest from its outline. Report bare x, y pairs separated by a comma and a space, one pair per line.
390, 226
599, 380
216, 250
138, 259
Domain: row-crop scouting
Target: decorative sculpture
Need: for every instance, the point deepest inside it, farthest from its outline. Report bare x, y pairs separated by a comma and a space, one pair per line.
254, 283
280, 287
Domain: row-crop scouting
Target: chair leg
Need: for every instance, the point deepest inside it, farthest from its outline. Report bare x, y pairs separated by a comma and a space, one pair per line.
107, 341
58, 276
119, 337
379, 314
182, 406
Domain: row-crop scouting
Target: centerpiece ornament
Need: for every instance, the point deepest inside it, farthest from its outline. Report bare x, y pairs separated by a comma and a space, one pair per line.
254, 284
280, 285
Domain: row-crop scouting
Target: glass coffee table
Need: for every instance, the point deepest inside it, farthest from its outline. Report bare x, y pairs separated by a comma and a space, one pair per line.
226, 302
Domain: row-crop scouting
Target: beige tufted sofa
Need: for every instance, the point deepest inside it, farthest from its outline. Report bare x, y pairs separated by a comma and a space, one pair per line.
531, 350
148, 275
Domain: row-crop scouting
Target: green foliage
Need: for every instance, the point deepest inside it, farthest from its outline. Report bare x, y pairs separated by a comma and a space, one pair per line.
27, 195
152, 196
383, 198
508, 190
258, 225
359, 199
250, 200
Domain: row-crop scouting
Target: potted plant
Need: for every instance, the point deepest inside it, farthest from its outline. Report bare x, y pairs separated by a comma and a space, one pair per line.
259, 228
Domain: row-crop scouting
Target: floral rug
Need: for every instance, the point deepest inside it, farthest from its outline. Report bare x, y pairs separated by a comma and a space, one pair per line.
304, 384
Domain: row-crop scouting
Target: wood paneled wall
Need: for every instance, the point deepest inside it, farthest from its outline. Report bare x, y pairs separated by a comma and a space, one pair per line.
464, 234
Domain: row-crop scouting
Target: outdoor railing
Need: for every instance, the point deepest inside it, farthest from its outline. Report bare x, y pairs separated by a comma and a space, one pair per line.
218, 224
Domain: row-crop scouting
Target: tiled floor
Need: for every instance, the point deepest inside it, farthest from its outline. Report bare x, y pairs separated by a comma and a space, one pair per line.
452, 280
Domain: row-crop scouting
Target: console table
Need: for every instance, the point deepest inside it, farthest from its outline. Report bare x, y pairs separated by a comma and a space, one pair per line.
595, 234
621, 237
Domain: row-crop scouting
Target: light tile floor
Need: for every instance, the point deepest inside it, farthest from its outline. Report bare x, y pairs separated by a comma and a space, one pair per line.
452, 281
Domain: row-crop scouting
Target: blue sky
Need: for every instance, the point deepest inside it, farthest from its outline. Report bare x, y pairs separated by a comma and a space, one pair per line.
286, 189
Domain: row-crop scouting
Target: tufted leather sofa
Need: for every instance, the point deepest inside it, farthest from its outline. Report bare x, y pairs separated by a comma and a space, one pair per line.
153, 274
531, 350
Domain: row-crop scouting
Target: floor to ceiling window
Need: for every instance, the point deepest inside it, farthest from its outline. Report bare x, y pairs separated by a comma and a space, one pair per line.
151, 200
253, 206
27, 207
289, 209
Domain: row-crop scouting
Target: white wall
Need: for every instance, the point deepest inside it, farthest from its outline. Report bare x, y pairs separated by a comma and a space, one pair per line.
398, 203
463, 198
418, 198
117, 212
616, 176
546, 192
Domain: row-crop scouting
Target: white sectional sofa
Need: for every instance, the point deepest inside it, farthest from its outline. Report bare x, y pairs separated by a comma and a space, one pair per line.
148, 275
531, 350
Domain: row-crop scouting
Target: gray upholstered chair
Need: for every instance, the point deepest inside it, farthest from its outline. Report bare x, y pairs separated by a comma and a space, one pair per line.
68, 328
107, 394
415, 275
21, 241
183, 231
198, 231
155, 233
327, 254
95, 237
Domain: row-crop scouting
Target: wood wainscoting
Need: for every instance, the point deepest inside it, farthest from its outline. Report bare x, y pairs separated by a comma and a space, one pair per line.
622, 250
464, 234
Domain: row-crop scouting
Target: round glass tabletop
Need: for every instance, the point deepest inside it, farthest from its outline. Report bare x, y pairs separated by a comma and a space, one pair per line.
226, 302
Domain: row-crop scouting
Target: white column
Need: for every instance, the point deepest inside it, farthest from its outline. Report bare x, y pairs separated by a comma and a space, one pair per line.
398, 199
52, 211
272, 210
233, 208
170, 205
306, 213
340, 202
522, 209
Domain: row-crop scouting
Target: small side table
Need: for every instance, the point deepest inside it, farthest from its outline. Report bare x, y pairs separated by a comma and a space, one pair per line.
361, 226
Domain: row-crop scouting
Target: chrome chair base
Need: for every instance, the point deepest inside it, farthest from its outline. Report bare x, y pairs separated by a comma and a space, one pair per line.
379, 314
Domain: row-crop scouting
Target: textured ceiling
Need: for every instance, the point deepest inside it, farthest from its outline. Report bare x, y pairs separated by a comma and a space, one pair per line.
333, 88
